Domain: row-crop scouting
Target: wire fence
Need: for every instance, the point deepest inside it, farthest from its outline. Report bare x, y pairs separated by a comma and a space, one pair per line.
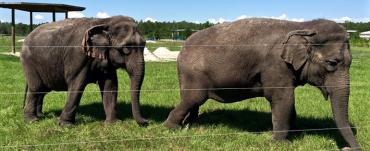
175, 137
184, 45
178, 89
178, 47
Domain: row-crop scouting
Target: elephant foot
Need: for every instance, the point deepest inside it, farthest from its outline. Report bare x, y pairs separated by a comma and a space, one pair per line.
40, 114
30, 118
172, 125
280, 135
281, 141
111, 121
350, 149
66, 123
142, 122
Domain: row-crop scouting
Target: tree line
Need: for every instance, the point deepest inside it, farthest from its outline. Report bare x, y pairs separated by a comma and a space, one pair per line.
360, 27
170, 30
355, 39
20, 28
150, 30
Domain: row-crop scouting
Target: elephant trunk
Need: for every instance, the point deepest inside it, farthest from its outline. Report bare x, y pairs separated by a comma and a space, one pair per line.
338, 87
136, 71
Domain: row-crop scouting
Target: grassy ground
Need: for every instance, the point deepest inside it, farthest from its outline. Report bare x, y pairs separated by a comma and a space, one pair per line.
6, 43
171, 45
239, 126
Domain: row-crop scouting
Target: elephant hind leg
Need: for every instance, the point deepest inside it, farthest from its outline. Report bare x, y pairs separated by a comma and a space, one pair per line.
35, 92
192, 116
33, 105
193, 94
40, 100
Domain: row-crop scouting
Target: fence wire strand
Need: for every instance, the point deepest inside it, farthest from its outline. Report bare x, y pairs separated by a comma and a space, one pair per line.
169, 89
172, 137
185, 45
174, 89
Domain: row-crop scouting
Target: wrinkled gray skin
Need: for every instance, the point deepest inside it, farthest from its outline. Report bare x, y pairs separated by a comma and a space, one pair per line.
67, 55
269, 58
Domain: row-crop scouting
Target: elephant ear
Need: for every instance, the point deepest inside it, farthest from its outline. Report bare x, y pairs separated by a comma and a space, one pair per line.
96, 42
296, 47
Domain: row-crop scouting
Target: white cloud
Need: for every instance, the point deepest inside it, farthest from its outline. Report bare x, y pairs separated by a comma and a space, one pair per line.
342, 19
102, 15
356, 20
285, 17
39, 17
242, 17
215, 21
149, 19
75, 15
197, 22
281, 17
297, 19
221, 20
365, 19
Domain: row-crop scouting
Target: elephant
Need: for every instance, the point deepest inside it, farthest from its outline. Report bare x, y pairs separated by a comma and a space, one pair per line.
67, 55
259, 57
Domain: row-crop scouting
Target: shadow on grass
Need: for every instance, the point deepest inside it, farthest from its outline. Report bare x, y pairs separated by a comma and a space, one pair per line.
255, 121
8, 58
96, 111
244, 120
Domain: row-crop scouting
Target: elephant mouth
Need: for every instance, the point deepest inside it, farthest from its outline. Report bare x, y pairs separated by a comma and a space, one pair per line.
324, 92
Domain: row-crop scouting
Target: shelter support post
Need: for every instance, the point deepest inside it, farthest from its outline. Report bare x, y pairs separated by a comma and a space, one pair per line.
53, 16
13, 31
31, 22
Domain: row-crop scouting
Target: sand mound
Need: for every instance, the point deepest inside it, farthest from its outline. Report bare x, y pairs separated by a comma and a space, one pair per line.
17, 54
164, 53
149, 56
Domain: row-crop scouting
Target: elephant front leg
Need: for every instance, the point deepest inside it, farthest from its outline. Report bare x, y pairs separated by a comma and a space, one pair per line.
68, 115
108, 87
283, 113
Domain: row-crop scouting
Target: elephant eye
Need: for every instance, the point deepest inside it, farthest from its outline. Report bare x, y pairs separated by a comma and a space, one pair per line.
332, 62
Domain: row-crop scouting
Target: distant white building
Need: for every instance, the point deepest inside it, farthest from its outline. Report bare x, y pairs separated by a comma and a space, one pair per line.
351, 32
365, 35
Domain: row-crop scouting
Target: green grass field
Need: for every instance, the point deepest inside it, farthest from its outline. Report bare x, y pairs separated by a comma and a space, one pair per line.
5, 44
239, 126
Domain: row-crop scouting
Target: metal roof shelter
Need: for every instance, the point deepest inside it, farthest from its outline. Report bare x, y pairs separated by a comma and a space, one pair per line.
37, 7
175, 33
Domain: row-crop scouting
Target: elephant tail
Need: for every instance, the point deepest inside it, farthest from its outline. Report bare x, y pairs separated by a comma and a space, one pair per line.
25, 95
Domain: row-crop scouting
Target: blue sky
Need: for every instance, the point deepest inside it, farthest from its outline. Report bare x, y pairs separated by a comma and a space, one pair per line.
207, 10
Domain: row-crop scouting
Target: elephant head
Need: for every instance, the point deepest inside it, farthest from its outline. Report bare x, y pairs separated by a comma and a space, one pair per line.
118, 44
321, 57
